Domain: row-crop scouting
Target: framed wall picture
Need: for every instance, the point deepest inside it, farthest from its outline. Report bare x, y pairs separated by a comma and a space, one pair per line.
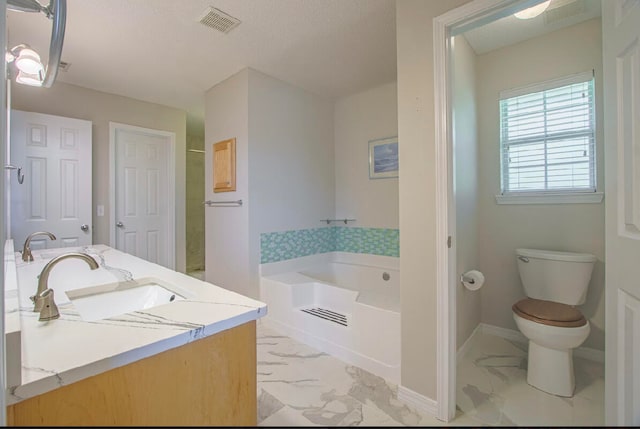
383, 158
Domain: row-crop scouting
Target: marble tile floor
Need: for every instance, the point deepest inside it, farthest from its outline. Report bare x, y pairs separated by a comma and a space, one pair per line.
300, 386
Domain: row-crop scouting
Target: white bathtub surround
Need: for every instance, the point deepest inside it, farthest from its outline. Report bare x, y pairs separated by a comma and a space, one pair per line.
70, 349
339, 303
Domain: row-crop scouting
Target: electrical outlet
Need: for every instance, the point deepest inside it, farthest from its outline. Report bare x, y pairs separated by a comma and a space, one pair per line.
100, 210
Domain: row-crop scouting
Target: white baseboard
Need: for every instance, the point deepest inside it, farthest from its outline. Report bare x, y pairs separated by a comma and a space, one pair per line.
467, 344
507, 334
587, 353
420, 402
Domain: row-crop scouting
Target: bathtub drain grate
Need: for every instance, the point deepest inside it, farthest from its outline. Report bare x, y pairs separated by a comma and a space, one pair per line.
329, 315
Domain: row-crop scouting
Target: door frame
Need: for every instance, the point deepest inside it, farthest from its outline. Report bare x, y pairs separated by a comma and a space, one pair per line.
456, 21
171, 178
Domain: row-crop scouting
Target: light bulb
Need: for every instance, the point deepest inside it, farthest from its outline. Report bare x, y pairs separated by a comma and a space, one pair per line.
29, 79
532, 12
28, 61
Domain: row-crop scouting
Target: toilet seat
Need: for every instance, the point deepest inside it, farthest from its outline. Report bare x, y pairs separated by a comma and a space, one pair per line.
549, 313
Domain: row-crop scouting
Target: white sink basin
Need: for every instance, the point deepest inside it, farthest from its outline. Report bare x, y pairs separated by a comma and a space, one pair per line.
104, 301
67, 275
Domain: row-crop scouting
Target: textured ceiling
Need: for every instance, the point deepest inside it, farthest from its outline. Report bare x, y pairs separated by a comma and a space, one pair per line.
511, 30
155, 50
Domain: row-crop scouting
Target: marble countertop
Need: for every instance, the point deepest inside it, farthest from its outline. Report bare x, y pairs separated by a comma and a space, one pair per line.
69, 349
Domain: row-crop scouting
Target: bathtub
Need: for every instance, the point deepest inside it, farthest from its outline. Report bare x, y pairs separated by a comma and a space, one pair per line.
343, 304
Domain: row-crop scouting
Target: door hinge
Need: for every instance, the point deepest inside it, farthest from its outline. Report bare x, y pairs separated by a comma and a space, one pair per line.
449, 242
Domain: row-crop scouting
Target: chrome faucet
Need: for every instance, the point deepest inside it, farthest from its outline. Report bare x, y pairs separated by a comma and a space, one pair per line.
42, 298
26, 250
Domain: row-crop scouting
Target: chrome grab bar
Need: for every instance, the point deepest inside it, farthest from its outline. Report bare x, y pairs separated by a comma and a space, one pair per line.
236, 203
328, 221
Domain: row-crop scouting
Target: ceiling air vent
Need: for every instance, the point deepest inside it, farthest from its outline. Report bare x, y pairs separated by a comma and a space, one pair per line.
64, 66
218, 20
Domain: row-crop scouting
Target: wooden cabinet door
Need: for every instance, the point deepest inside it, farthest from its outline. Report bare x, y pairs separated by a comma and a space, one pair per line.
224, 166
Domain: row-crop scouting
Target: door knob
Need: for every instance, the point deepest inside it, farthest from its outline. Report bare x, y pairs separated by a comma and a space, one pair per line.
84, 227
120, 225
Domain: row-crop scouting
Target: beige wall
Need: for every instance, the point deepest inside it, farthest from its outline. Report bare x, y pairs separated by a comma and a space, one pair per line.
227, 228
285, 176
417, 187
101, 108
565, 227
291, 161
465, 146
365, 116
195, 197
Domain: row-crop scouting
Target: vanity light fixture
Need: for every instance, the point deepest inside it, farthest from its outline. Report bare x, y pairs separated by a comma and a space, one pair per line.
28, 64
532, 12
30, 70
28, 60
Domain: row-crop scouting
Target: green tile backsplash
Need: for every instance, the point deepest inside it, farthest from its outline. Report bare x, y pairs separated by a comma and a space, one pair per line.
280, 246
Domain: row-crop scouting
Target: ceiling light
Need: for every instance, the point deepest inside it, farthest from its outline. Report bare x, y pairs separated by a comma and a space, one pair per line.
532, 12
29, 79
28, 61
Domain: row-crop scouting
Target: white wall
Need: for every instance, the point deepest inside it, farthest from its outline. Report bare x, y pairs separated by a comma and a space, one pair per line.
465, 147
417, 190
565, 227
365, 116
291, 161
284, 172
227, 228
72, 101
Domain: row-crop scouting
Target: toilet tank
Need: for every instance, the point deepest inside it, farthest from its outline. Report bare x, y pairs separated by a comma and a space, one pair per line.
555, 276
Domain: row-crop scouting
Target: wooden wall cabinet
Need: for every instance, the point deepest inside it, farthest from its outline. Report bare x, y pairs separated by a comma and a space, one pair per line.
224, 166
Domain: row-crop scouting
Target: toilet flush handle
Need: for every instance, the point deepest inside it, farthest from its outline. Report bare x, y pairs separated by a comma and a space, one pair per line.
523, 258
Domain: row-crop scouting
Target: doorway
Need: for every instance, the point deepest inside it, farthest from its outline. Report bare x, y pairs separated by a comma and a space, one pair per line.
448, 28
51, 185
142, 193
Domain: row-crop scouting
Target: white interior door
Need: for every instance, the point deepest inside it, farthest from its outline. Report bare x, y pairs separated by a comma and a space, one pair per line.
621, 60
54, 154
143, 203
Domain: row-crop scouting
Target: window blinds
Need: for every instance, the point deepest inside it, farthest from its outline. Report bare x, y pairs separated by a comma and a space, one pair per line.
547, 136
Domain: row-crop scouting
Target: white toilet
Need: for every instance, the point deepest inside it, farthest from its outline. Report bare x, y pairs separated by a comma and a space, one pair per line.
554, 282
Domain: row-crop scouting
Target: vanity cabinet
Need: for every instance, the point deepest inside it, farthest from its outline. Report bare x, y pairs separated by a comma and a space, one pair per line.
207, 382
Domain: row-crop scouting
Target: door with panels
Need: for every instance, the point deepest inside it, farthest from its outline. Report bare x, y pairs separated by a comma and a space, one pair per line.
54, 154
621, 63
143, 200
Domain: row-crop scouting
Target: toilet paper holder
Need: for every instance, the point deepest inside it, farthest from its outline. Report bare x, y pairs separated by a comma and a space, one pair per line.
465, 279
472, 280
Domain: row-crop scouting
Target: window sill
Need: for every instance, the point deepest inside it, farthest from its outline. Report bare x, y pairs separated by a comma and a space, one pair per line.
540, 198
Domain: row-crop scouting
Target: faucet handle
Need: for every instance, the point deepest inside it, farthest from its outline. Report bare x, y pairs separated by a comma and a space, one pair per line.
49, 309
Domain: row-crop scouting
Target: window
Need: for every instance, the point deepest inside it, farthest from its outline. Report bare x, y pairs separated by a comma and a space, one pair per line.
547, 137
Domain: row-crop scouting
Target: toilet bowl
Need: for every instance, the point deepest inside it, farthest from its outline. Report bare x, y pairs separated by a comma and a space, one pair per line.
551, 347
555, 282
